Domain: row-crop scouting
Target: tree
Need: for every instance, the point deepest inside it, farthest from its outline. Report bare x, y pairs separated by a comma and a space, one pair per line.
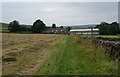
24, 28
114, 28
97, 26
68, 28
103, 28
14, 26
108, 29
53, 25
38, 26
61, 26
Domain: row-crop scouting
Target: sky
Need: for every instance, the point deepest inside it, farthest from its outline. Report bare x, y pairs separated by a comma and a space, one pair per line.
60, 13
59, 0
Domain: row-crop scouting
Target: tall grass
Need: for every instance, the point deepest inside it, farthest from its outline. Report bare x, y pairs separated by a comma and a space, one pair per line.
75, 56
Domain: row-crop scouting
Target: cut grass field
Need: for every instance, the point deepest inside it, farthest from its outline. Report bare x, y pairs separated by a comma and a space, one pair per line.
28, 50
75, 56
110, 36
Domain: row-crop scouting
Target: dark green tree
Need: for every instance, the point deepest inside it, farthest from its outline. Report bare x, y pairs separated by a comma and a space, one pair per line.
97, 26
14, 26
108, 29
61, 26
68, 28
113, 28
38, 26
53, 25
103, 28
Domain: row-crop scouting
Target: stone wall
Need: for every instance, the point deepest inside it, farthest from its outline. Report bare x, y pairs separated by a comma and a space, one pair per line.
112, 45
112, 48
108, 39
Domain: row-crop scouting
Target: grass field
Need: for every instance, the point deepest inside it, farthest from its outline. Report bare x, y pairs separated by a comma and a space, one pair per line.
110, 36
74, 56
50, 54
4, 27
29, 51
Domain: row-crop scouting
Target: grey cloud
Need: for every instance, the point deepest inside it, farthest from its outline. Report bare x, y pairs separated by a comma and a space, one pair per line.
61, 13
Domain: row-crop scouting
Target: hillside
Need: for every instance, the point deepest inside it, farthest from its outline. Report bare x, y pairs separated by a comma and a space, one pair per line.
4, 27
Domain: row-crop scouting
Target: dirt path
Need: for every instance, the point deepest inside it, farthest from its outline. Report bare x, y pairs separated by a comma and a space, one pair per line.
24, 53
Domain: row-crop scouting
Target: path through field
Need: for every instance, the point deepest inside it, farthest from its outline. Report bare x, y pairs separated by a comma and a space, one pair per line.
24, 53
50, 54
77, 56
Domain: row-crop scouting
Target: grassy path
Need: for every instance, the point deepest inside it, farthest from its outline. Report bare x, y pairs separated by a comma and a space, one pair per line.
74, 56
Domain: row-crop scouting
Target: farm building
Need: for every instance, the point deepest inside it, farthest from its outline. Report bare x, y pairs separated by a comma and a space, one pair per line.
84, 31
55, 31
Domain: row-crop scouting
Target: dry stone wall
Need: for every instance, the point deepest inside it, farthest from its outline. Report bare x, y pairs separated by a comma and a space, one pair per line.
112, 48
108, 39
112, 45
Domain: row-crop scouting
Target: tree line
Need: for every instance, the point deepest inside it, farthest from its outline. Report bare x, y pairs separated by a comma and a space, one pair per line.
37, 27
108, 29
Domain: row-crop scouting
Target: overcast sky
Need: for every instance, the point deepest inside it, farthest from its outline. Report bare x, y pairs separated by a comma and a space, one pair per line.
60, 13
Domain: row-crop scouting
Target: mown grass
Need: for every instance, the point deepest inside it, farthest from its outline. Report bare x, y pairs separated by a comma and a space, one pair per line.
75, 56
110, 36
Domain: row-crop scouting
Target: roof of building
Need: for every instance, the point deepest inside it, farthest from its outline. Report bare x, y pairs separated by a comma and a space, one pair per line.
84, 30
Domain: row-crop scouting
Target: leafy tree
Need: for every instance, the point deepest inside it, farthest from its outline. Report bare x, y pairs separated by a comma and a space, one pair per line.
68, 28
108, 29
38, 26
25, 28
14, 26
103, 28
97, 26
53, 25
114, 28
61, 26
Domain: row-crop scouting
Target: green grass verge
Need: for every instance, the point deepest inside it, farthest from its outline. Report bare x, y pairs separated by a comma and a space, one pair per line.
110, 36
74, 56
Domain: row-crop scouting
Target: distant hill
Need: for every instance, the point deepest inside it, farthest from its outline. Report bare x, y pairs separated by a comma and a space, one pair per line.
82, 26
4, 24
